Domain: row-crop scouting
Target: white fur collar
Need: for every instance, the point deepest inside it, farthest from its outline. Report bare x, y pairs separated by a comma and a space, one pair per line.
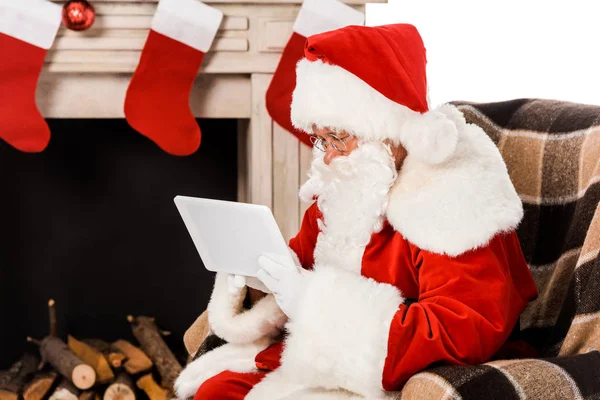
459, 205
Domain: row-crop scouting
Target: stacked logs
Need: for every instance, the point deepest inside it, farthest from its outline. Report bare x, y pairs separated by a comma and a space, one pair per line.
93, 369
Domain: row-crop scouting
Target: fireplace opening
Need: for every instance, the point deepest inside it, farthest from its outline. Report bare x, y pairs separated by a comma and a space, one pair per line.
91, 223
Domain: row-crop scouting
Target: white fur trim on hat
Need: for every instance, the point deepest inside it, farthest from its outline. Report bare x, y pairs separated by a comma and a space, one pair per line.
329, 96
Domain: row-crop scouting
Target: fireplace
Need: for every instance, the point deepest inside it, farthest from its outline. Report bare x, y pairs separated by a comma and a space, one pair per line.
91, 223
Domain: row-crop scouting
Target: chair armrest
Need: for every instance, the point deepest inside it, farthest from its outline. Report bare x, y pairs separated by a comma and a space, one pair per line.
196, 334
558, 377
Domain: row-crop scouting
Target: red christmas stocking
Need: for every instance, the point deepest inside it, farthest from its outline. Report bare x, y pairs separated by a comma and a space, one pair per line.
316, 16
27, 31
157, 101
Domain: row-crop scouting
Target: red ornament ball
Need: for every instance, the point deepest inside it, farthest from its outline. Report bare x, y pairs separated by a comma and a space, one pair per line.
78, 15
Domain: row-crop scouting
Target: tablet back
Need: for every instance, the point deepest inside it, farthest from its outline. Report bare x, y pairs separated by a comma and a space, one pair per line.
231, 236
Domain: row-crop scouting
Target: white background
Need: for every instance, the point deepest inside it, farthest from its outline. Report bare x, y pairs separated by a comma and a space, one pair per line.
500, 50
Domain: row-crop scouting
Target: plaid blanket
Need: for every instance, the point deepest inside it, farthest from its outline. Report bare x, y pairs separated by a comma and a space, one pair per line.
552, 151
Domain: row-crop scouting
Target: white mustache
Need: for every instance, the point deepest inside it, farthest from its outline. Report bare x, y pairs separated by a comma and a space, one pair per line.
358, 163
371, 161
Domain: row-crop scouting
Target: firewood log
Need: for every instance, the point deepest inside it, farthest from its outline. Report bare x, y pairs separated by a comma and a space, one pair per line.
6, 395
39, 386
121, 389
65, 391
137, 361
151, 388
92, 357
114, 356
4, 377
89, 395
52, 317
57, 353
152, 343
15, 378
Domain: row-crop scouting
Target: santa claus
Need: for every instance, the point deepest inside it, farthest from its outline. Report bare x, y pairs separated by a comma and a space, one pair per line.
408, 257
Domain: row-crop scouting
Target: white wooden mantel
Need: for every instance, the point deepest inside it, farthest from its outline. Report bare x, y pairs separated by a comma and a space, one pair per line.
86, 76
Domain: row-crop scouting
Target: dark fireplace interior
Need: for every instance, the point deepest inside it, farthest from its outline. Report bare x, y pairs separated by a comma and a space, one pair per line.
91, 223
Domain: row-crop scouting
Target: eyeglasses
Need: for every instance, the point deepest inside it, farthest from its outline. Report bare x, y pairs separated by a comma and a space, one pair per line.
339, 144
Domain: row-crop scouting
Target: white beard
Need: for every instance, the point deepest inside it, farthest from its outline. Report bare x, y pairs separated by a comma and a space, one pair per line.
352, 196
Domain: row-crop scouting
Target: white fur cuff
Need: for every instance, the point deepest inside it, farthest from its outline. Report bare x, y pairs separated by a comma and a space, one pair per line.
317, 16
188, 21
229, 321
340, 334
33, 22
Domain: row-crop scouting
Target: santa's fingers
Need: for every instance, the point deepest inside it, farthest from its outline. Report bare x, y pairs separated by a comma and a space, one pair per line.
275, 269
284, 260
235, 283
267, 279
239, 281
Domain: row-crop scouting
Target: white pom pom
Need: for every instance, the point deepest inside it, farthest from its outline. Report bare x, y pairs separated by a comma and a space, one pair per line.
432, 136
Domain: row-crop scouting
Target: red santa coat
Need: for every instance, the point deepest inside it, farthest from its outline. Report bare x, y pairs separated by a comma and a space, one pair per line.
442, 280
461, 309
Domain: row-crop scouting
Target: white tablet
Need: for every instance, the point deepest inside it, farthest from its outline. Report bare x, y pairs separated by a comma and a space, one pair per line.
231, 236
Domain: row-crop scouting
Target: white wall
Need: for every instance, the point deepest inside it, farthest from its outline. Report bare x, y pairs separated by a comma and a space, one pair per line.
499, 50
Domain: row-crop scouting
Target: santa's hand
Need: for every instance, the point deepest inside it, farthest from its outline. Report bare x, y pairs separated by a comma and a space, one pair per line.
236, 283
284, 279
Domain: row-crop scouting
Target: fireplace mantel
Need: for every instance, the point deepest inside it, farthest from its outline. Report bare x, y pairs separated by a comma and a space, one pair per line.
86, 76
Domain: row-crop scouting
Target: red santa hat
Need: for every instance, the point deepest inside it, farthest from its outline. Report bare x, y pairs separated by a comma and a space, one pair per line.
371, 82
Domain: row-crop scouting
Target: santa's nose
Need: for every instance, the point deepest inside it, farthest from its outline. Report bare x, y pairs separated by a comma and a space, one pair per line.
330, 154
